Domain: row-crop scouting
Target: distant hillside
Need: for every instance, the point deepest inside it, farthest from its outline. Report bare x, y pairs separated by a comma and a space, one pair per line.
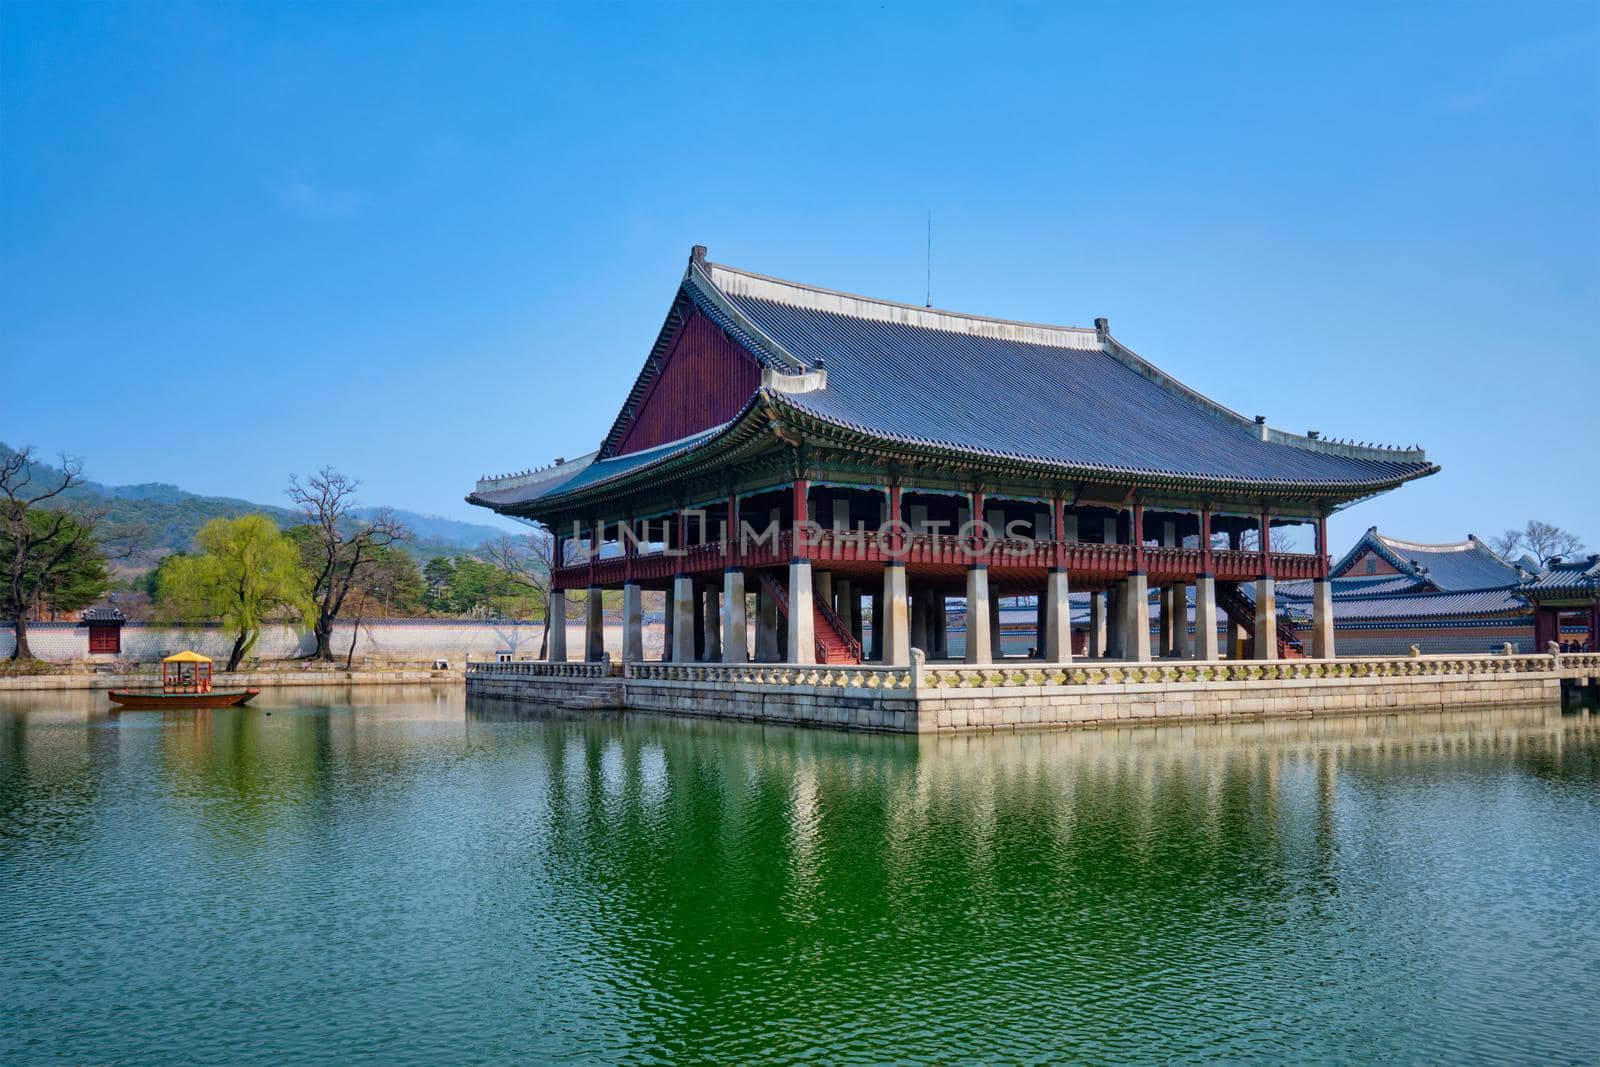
173, 516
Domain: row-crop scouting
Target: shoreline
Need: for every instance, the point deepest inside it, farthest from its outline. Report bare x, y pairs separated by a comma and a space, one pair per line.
245, 679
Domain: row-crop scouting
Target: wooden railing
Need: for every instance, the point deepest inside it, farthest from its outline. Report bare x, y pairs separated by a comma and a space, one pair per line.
1097, 561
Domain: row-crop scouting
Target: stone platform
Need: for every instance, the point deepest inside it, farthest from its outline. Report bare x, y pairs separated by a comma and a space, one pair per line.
923, 698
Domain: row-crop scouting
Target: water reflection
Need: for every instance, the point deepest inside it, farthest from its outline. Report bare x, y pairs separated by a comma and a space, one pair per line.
370, 875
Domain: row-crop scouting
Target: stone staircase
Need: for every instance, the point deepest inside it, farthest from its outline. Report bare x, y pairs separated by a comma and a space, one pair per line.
598, 696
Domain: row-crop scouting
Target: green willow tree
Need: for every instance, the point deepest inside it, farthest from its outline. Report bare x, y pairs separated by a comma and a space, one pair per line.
245, 572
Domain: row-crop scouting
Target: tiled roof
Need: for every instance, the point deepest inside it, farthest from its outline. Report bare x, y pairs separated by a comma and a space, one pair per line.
1364, 585
521, 489
1066, 397
1430, 605
1457, 565
1577, 577
1034, 392
103, 614
1417, 604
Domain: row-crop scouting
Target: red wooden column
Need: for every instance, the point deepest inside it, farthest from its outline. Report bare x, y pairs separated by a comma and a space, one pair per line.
682, 546
802, 514
730, 542
630, 547
1322, 547
1137, 538
594, 548
975, 500
1206, 567
896, 528
1058, 509
1266, 545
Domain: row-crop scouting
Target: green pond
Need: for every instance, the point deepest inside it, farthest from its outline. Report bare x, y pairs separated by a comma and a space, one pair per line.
377, 875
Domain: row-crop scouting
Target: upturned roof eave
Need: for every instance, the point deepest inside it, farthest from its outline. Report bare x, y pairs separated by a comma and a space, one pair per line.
767, 404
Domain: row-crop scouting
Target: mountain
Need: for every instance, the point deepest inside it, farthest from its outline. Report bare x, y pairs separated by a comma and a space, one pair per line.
171, 516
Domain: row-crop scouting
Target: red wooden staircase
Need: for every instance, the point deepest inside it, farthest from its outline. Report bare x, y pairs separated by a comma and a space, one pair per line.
1242, 610
834, 641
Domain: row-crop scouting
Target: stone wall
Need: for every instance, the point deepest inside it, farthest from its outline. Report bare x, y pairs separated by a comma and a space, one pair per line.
922, 699
378, 641
1025, 706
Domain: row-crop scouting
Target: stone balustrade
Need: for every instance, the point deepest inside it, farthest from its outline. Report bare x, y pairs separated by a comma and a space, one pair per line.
539, 669
820, 676
1013, 674
1089, 672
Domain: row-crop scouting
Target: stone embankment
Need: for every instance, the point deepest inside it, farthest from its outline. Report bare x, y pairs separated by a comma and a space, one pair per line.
242, 680
924, 698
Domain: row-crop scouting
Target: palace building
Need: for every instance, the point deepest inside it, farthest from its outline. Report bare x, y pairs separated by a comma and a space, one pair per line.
852, 463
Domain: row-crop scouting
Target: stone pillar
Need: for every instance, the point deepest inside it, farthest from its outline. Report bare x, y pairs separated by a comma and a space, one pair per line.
1097, 625
1186, 638
1057, 647
877, 622
857, 622
712, 614
699, 624
1322, 644
895, 644
1163, 643
919, 619
594, 626
822, 582
1266, 619
1116, 622
556, 619
841, 596
767, 650
1136, 605
683, 619
735, 631
1237, 636
941, 627
632, 623
997, 649
1205, 617
802, 643
1041, 621
666, 629
980, 648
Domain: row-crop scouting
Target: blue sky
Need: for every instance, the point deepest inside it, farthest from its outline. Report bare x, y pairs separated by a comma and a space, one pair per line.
425, 242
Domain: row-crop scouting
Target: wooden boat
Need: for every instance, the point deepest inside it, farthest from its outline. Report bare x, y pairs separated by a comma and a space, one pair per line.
146, 699
185, 683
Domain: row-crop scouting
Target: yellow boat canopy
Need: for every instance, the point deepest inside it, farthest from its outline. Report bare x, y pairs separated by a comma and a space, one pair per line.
187, 657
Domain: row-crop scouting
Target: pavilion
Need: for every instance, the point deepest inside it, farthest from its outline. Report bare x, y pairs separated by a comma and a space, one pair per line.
1566, 603
853, 462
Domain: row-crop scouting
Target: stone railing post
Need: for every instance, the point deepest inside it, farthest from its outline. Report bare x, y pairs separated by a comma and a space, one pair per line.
919, 663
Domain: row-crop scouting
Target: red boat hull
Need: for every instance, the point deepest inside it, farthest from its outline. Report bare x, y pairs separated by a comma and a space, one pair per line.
152, 699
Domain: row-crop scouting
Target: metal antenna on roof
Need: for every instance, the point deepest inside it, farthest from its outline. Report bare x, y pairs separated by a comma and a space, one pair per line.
928, 298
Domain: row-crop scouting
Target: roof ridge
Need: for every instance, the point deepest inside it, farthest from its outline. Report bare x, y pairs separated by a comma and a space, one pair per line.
739, 282
1446, 546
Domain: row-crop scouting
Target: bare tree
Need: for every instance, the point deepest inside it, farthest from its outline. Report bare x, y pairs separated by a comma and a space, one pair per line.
45, 544
529, 561
338, 547
1542, 540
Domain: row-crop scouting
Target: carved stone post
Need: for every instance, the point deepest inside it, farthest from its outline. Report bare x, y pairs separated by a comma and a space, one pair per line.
632, 623
1057, 647
735, 632
556, 620
979, 641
